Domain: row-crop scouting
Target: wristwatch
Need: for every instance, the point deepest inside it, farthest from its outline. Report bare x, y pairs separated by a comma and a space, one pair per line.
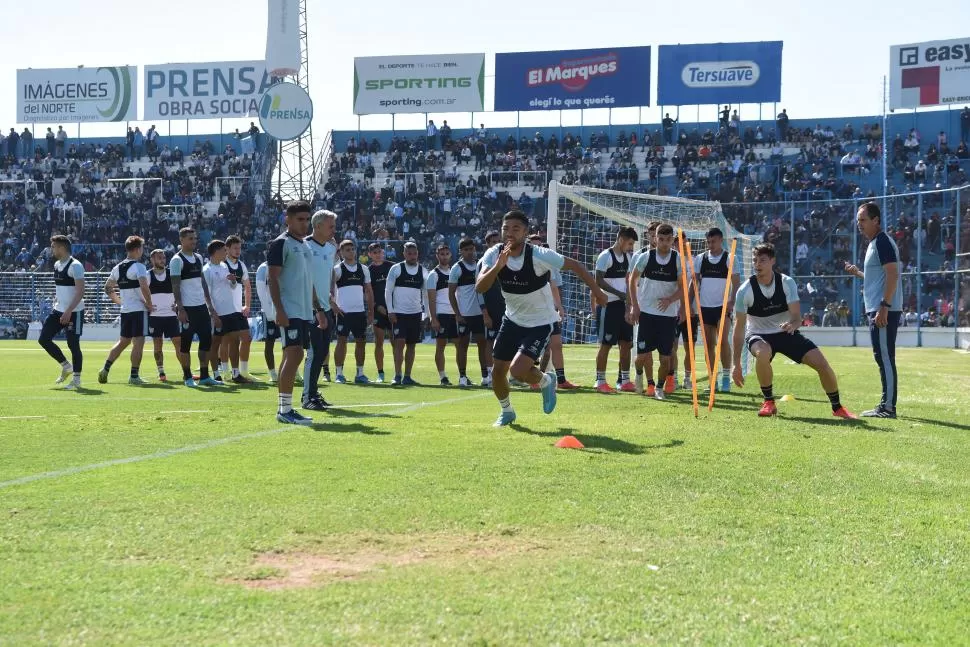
884, 304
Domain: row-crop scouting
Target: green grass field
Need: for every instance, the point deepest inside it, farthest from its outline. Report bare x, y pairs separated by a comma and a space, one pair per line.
167, 516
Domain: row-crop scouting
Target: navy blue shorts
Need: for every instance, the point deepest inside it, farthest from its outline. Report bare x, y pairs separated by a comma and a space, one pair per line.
164, 327
793, 346
613, 327
296, 334
134, 324
352, 323
408, 328
656, 333
514, 339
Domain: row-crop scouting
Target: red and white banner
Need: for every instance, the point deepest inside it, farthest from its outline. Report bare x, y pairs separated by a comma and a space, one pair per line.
935, 73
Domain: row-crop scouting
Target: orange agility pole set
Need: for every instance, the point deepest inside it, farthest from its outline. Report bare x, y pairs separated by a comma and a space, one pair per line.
722, 324
697, 302
690, 332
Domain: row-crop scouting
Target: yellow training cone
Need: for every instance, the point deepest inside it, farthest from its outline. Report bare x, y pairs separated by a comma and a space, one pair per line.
788, 398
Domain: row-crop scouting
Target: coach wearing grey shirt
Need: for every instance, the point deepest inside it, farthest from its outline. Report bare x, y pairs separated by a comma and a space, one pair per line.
882, 293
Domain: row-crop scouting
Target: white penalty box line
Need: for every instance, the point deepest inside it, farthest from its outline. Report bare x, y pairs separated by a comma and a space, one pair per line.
216, 442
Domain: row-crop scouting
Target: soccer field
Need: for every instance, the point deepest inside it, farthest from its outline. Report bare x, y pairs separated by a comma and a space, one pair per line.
163, 515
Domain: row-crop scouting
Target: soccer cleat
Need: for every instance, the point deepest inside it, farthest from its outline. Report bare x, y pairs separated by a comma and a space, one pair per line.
605, 388
842, 412
340, 379
505, 419
628, 387
208, 381
486, 382
658, 394
651, 389
73, 385
291, 417
878, 412
464, 381
315, 404
396, 381
136, 381
725, 383
65, 373
361, 379
768, 409
515, 382
102, 376
687, 384
190, 382
408, 381
380, 379
218, 379
670, 384
445, 381
241, 379
162, 378
326, 374
567, 386
250, 377
549, 394
639, 383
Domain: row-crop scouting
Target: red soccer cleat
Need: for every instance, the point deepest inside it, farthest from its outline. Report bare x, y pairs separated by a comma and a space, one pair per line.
162, 378
567, 386
605, 388
534, 387
651, 391
669, 384
842, 412
628, 387
768, 409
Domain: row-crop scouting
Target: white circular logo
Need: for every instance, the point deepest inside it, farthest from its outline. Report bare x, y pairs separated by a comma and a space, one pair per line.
285, 111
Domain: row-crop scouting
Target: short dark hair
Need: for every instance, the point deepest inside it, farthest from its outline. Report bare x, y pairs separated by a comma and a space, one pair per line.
441, 247
629, 233
185, 231
345, 242
665, 230
764, 249
491, 233
872, 210
515, 214
373, 247
714, 231
466, 242
298, 206
232, 240
214, 246
133, 243
653, 224
62, 240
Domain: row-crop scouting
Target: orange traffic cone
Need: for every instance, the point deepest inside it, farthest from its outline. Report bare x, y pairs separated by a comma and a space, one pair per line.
569, 442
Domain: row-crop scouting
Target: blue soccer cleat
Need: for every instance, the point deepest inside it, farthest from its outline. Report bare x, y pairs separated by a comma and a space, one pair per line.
361, 379
725, 383
408, 381
549, 394
292, 417
190, 382
208, 381
505, 419
341, 379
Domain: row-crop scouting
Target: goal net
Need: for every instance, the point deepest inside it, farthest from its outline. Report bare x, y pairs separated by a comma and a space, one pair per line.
583, 221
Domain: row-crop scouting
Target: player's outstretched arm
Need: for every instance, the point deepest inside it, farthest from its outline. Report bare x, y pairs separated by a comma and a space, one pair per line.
577, 268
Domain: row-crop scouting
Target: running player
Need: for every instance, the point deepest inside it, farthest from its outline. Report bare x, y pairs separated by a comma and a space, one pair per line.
292, 291
378, 269
269, 319
68, 313
193, 306
243, 303
355, 310
494, 307
163, 323
471, 310
404, 296
223, 284
612, 267
130, 277
523, 271
554, 354
650, 305
769, 314
444, 323
711, 269
323, 252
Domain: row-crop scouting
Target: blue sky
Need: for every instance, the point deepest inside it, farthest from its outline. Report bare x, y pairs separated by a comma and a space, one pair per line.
835, 53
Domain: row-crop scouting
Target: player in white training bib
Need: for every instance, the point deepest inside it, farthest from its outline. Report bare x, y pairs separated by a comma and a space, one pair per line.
130, 278
355, 310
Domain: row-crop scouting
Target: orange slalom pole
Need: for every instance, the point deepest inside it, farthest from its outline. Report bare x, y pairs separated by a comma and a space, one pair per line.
690, 332
697, 300
723, 323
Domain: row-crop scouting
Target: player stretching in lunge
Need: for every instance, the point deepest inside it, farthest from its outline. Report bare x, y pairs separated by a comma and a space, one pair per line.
68, 314
612, 267
470, 309
769, 315
523, 270
130, 276
355, 310
378, 269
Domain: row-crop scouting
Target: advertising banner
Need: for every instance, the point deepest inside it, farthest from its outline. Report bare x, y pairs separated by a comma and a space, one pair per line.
719, 73
77, 94
205, 90
431, 83
573, 79
936, 73
285, 112
283, 37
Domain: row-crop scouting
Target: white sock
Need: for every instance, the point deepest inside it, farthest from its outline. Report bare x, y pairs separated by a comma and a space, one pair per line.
273, 374
442, 374
544, 382
490, 371
340, 371
223, 367
506, 404
244, 367
235, 372
66, 365
624, 376
161, 369
77, 378
726, 372
360, 371
286, 402
686, 377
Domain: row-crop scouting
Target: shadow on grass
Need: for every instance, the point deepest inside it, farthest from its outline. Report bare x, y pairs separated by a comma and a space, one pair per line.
86, 391
928, 421
830, 421
157, 385
347, 428
595, 442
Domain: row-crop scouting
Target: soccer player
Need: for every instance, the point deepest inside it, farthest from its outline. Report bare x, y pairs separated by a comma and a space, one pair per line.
404, 296
523, 270
768, 317
650, 305
470, 309
193, 306
378, 269
355, 310
882, 294
323, 252
612, 266
695, 323
444, 323
243, 302
554, 354
163, 323
292, 291
68, 313
649, 241
711, 269
494, 307
130, 277
269, 319
223, 284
